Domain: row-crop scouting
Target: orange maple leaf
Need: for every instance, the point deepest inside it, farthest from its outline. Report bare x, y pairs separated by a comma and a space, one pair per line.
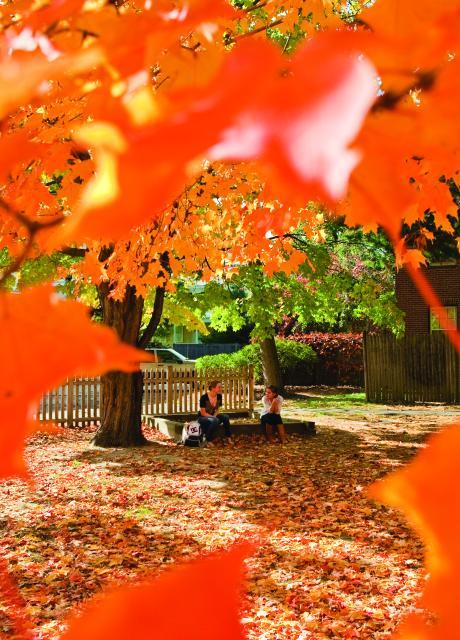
427, 492
407, 39
408, 256
304, 116
44, 340
198, 601
11, 598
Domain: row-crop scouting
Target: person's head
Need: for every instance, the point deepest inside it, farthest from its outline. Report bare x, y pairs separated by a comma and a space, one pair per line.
271, 391
215, 386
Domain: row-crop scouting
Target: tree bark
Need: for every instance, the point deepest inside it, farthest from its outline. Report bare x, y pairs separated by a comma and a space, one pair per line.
270, 363
121, 410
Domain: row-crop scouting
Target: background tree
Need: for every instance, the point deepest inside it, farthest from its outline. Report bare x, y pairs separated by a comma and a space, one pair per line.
346, 280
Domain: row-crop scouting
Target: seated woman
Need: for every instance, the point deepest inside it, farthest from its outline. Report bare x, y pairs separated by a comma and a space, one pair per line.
209, 416
271, 414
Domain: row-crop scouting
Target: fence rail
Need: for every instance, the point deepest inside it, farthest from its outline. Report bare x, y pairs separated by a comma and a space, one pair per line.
168, 390
417, 368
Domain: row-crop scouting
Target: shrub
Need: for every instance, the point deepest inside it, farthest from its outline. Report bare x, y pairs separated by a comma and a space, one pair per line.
340, 357
296, 361
241, 358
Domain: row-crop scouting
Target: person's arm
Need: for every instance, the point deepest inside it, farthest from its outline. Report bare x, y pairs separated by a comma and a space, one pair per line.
275, 405
219, 404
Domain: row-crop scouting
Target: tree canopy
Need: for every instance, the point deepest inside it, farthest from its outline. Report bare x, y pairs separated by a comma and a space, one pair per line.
119, 118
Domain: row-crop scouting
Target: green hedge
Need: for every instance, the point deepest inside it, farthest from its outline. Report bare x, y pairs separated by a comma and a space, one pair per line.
296, 360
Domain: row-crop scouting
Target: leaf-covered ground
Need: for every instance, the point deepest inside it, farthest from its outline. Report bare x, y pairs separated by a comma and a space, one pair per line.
332, 564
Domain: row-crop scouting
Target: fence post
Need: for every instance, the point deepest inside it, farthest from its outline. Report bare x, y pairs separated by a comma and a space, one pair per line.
169, 389
366, 372
251, 388
145, 391
70, 418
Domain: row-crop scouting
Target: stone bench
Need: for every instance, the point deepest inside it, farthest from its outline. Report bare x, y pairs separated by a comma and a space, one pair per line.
241, 425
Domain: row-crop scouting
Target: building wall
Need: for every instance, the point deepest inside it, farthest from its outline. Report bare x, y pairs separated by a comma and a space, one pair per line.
182, 334
445, 280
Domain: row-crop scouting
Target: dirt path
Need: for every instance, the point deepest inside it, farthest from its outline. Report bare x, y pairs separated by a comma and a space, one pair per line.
331, 563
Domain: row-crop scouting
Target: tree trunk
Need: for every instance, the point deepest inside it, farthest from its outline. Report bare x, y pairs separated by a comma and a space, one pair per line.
121, 410
270, 363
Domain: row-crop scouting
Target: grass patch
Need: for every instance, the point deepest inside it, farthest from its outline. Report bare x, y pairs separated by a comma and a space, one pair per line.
140, 513
345, 404
331, 401
338, 399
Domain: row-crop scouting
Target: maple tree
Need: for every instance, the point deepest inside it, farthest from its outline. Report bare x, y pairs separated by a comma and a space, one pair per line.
108, 110
194, 236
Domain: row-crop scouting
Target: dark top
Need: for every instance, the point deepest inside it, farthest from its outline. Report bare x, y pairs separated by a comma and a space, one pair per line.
206, 404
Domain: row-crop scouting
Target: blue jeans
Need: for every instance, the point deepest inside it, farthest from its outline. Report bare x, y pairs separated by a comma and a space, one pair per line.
210, 424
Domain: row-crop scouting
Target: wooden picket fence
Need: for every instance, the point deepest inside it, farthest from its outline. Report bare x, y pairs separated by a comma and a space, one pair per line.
168, 390
416, 368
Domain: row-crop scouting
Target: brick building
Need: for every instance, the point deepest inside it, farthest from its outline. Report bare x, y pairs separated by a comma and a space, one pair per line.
445, 280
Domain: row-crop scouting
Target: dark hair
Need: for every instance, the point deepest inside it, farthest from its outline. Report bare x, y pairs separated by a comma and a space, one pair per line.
273, 388
213, 384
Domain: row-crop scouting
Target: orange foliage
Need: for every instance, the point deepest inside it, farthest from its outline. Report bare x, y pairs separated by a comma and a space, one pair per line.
405, 20
125, 101
200, 601
43, 341
284, 17
21, 81
198, 235
305, 153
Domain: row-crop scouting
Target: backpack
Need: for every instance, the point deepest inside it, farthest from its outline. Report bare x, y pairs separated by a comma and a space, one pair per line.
192, 434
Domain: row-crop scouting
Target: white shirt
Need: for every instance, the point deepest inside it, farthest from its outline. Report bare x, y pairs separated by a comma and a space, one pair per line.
268, 403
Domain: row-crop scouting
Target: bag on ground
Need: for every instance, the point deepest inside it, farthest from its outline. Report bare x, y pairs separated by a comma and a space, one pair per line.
192, 434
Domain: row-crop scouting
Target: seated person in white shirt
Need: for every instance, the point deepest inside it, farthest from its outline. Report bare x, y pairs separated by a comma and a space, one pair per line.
271, 414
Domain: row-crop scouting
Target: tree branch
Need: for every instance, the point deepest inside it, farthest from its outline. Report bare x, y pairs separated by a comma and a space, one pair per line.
155, 318
232, 39
257, 5
158, 304
106, 252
